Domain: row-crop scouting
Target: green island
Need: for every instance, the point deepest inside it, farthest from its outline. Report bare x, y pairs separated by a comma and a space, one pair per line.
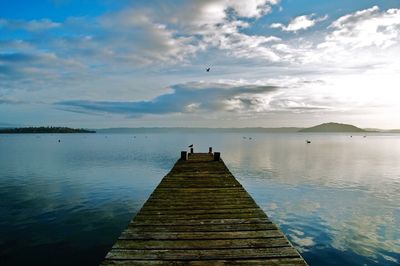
40, 130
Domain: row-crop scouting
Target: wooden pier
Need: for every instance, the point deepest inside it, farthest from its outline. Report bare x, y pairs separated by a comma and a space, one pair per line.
200, 215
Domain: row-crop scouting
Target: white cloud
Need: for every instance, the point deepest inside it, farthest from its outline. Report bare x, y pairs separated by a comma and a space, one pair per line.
252, 8
197, 14
132, 35
241, 45
365, 28
218, 23
299, 23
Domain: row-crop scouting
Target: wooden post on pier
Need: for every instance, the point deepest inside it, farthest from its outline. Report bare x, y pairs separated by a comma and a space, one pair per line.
191, 150
184, 155
210, 150
217, 156
201, 215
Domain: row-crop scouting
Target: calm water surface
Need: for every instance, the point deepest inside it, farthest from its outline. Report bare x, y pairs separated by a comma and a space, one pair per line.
337, 199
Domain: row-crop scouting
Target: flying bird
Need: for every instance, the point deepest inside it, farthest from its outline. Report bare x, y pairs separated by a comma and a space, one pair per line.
208, 69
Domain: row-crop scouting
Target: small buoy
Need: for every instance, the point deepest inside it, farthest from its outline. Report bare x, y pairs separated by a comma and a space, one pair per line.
59, 140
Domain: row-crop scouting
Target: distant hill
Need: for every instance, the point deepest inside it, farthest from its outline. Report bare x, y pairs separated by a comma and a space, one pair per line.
382, 130
392, 131
333, 127
139, 130
22, 130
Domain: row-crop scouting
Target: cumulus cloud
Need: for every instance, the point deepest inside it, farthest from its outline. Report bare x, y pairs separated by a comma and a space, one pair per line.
186, 98
195, 15
137, 37
300, 23
369, 37
365, 28
219, 23
132, 34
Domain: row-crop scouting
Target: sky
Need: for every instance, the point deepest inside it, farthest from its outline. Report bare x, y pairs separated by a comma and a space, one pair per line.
273, 63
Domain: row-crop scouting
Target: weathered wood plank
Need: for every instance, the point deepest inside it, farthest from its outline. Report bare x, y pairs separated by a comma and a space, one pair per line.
201, 228
242, 262
201, 235
200, 214
205, 221
206, 202
196, 211
160, 206
141, 216
202, 244
200, 254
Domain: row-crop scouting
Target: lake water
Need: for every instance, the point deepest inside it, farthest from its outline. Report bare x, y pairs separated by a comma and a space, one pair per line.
65, 203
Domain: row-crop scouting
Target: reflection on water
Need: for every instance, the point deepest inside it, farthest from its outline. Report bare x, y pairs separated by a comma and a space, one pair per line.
337, 199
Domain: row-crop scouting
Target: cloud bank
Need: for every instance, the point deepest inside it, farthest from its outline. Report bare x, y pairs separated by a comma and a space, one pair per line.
138, 51
186, 98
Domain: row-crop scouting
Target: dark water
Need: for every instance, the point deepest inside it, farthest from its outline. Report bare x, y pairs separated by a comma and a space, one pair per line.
337, 199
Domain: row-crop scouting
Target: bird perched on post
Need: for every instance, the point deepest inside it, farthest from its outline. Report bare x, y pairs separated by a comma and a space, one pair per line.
191, 146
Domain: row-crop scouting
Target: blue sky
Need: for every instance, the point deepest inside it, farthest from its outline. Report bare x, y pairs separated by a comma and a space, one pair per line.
142, 63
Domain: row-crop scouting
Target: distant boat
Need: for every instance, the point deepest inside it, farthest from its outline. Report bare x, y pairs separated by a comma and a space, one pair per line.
365, 136
308, 141
244, 137
250, 138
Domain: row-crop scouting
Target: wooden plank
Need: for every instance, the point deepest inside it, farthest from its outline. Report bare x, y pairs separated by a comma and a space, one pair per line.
200, 254
242, 262
205, 221
200, 214
202, 244
201, 235
201, 228
155, 202
168, 207
269, 262
145, 211
141, 216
